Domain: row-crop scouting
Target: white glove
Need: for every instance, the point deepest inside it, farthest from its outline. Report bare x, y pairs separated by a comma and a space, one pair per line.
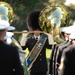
8, 41
23, 39
8, 37
50, 39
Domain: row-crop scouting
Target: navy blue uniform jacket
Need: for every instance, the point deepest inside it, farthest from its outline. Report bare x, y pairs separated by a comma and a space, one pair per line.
40, 65
9, 60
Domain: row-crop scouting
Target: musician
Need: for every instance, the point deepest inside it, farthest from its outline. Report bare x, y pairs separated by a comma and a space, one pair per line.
68, 41
39, 67
63, 34
66, 44
57, 51
67, 65
53, 56
9, 58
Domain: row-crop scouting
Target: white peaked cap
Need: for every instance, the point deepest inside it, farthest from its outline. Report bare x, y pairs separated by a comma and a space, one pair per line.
68, 30
8, 35
11, 28
4, 24
72, 35
63, 29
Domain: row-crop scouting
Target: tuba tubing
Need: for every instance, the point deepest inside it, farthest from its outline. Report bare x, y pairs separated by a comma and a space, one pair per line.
22, 32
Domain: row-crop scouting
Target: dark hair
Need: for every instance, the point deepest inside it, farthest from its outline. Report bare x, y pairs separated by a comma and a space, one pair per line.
62, 33
32, 20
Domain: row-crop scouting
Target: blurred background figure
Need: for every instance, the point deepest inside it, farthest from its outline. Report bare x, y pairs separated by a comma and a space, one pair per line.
10, 62
67, 65
66, 31
62, 33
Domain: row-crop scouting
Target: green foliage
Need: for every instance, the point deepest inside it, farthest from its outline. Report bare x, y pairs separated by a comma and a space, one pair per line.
21, 11
22, 8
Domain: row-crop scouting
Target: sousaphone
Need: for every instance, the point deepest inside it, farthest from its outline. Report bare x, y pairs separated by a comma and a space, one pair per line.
6, 11
52, 18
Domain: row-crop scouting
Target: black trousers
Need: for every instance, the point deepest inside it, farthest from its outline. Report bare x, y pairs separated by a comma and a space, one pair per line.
37, 73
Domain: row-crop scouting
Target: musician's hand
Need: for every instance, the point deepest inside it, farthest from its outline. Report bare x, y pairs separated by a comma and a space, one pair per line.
26, 33
24, 38
50, 38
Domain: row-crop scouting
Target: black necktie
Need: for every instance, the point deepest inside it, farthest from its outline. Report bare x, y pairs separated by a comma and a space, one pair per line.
36, 38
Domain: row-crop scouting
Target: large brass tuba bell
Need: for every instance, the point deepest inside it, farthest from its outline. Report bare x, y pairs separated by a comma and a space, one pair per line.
51, 19
6, 11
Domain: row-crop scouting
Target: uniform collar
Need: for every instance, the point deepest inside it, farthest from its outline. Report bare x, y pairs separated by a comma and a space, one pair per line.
36, 36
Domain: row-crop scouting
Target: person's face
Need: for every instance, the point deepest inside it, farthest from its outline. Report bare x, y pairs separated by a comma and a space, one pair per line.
67, 36
36, 32
2, 34
73, 42
62, 34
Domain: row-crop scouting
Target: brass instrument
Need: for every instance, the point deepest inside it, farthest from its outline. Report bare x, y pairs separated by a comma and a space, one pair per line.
26, 32
22, 54
15, 43
6, 11
52, 18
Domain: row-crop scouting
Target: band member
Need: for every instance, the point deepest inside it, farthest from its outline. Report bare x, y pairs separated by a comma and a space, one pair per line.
39, 66
67, 65
64, 46
10, 63
57, 52
63, 34
68, 42
53, 56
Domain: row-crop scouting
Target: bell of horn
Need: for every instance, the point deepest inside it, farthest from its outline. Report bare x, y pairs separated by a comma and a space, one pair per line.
4, 17
6, 12
51, 19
